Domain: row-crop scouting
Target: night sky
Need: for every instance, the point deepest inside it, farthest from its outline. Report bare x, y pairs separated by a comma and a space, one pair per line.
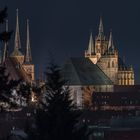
62, 27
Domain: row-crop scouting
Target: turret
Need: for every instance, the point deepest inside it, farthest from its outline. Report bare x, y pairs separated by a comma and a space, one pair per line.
91, 48
111, 48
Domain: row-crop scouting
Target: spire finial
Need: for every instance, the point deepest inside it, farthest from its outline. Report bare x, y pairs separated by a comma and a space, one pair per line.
101, 29
28, 57
17, 35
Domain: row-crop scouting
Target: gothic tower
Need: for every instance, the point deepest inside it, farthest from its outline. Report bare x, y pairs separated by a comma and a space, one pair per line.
104, 54
17, 53
28, 65
109, 61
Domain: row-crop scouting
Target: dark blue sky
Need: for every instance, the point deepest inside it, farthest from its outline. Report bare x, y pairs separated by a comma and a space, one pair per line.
63, 26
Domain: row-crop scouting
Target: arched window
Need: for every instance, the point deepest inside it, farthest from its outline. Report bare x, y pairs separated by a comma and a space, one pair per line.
108, 64
113, 65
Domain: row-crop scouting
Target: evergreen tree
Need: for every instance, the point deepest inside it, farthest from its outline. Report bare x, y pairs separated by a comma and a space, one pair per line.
58, 118
5, 35
6, 87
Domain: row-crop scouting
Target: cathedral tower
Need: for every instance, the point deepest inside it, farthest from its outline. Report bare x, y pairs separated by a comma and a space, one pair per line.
17, 53
104, 54
109, 61
27, 65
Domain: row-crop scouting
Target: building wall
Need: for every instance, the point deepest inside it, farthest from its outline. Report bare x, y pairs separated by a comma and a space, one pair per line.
125, 77
82, 95
29, 69
109, 65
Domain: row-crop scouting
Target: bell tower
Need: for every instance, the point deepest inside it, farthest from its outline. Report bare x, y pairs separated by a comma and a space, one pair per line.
17, 53
28, 66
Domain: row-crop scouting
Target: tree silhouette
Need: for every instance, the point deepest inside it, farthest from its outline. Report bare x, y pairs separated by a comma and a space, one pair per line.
58, 118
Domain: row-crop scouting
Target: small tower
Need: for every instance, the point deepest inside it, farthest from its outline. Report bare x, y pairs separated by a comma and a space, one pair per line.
111, 49
17, 53
27, 65
90, 53
100, 41
109, 61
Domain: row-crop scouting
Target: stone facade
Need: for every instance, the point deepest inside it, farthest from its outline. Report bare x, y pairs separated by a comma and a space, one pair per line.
106, 56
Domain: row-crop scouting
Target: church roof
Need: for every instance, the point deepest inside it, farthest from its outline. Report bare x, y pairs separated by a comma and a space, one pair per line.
15, 70
16, 52
81, 71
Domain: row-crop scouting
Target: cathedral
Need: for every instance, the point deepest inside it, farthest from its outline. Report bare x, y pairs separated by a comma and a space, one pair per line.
104, 54
18, 64
99, 71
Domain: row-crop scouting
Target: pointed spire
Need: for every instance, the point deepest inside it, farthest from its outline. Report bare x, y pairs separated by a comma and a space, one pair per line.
91, 48
17, 35
101, 29
110, 43
28, 57
5, 45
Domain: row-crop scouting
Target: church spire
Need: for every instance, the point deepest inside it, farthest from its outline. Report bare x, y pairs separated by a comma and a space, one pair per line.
5, 45
110, 43
28, 57
17, 35
101, 29
91, 48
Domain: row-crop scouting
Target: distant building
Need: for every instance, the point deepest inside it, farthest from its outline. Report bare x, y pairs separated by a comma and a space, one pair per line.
104, 54
99, 71
83, 78
117, 101
18, 64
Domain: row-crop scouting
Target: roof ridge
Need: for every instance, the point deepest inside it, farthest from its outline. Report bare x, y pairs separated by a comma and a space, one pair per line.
75, 70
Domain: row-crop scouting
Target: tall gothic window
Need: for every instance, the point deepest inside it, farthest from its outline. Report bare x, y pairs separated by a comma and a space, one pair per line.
108, 64
113, 65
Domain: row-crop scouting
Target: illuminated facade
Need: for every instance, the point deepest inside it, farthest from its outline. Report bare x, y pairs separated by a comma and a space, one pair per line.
18, 64
104, 54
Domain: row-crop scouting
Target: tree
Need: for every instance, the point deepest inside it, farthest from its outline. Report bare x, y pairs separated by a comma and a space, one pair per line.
6, 87
58, 118
5, 35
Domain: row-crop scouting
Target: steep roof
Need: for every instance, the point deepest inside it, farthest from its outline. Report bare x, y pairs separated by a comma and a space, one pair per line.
15, 70
81, 71
16, 52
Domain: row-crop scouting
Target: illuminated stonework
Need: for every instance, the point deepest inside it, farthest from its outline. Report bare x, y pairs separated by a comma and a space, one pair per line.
106, 56
18, 64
